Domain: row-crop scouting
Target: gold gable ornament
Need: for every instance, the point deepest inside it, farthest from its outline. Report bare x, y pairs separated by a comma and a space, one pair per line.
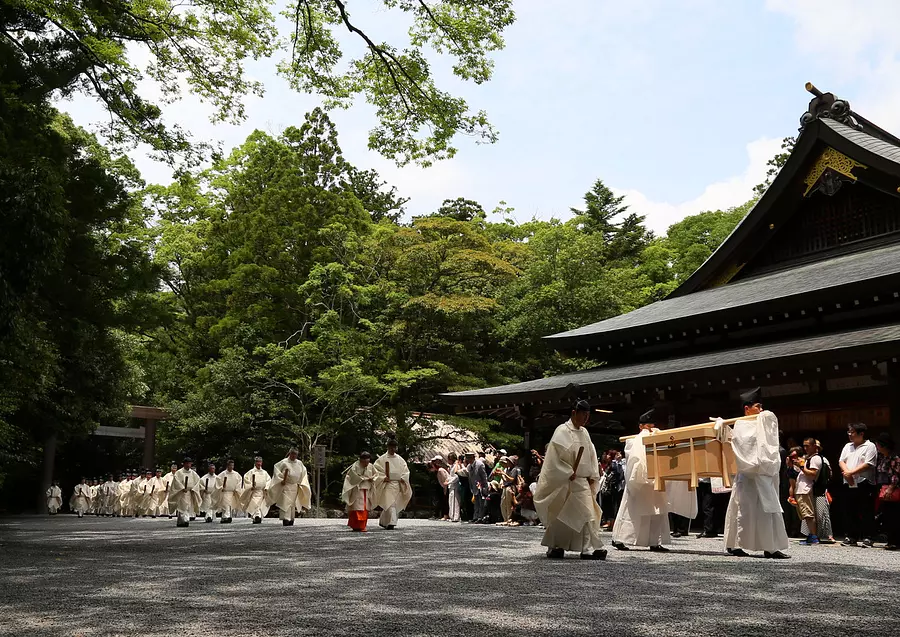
831, 169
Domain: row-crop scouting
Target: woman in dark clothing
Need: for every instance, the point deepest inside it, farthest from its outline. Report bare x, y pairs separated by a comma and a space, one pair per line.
888, 477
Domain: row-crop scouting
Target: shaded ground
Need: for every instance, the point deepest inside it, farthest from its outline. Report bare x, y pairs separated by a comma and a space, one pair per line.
64, 576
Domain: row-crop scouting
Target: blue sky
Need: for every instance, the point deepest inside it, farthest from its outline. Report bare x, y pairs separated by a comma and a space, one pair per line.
676, 104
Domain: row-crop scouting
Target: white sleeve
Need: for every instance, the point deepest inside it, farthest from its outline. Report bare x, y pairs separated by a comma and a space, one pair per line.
815, 463
871, 455
845, 453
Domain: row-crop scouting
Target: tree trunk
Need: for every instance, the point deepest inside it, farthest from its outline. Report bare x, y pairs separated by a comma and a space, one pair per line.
49, 467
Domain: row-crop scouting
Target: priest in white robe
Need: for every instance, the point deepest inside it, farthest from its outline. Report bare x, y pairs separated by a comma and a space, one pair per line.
155, 490
253, 499
229, 486
566, 493
110, 492
392, 489
643, 517
54, 498
122, 491
167, 484
208, 486
95, 500
81, 499
289, 488
159, 505
359, 484
754, 519
184, 493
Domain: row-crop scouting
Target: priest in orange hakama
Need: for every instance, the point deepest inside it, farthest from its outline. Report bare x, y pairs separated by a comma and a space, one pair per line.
359, 484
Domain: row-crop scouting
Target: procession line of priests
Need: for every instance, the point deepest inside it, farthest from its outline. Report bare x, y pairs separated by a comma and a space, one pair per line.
392, 489
754, 518
359, 486
643, 517
566, 494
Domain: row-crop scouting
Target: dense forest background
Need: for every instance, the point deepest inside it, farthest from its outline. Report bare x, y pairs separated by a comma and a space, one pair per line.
275, 295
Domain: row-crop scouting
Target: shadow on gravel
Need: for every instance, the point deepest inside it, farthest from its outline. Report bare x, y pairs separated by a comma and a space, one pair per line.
143, 578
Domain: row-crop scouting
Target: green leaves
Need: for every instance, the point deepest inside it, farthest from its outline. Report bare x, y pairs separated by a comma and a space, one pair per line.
107, 48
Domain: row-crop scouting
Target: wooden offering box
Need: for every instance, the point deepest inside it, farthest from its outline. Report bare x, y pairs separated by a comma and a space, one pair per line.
688, 453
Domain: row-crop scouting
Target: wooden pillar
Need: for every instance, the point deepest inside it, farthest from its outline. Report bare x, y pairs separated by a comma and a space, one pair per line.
48, 469
528, 426
149, 444
894, 398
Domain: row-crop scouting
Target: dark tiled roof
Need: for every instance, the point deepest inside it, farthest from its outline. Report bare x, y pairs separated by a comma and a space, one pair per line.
840, 347
864, 140
821, 275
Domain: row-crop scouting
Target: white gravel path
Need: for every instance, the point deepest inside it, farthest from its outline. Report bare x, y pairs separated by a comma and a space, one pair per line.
145, 578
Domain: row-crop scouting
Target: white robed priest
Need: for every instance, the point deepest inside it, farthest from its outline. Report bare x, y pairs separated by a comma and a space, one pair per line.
81, 499
110, 495
643, 517
566, 493
208, 493
392, 489
229, 486
54, 498
253, 499
359, 484
289, 488
167, 484
184, 493
754, 519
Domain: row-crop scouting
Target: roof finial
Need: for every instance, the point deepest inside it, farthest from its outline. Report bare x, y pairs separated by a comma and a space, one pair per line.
826, 105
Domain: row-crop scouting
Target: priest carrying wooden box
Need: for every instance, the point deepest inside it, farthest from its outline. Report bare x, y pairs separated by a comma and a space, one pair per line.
566, 494
643, 518
754, 519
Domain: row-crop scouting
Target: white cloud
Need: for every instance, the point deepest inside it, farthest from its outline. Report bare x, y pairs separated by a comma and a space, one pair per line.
717, 196
859, 41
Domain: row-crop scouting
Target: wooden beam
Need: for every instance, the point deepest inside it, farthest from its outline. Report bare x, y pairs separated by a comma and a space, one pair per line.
143, 412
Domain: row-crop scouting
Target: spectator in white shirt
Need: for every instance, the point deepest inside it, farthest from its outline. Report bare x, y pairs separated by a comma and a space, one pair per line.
858, 467
807, 472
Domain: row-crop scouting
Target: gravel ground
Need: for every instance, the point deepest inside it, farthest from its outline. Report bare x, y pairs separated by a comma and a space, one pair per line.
64, 576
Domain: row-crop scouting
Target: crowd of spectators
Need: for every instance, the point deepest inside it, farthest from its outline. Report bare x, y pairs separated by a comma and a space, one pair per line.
485, 487
494, 487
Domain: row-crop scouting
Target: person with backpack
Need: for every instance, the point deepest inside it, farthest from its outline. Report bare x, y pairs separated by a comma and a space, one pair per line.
822, 501
809, 473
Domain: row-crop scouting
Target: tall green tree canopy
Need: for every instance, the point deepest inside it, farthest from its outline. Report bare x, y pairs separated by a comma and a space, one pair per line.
104, 48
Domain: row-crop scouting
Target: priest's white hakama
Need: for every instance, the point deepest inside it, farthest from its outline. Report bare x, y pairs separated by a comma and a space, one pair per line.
253, 498
54, 499
754, 519
392, 490
228, 491
359, 484
568, 508
289, 488
643, 517
184, 495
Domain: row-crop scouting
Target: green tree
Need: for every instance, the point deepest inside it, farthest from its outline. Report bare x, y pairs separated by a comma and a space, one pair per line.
73, 271
775, 164
62, 47
461, 209
692, 240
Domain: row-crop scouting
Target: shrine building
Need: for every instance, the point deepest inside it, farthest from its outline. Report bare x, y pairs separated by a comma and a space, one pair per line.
802, 299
